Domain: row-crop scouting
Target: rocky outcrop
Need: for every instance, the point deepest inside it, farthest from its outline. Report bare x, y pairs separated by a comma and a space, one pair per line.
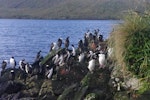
71, 81
75, 84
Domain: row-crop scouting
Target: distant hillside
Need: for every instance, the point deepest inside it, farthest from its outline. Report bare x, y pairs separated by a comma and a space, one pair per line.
69, 9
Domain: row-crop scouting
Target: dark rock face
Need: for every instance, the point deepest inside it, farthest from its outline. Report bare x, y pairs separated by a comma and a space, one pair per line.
77, 83
144, 96
10, 87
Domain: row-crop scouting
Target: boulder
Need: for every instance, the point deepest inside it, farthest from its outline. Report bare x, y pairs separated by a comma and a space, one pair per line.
66, 95
10, 87
14, 96
46, 89
144, 96
121, 96
91, 96
134, 83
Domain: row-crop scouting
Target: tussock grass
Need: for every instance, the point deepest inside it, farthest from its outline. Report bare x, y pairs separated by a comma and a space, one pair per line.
117, 42
131, 43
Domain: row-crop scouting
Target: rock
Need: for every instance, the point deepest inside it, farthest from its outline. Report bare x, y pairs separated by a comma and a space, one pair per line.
46, 89
27, 98
48, 97
133, 83
7, 97
91, 96
32, 88
66, 93
121, 96
80, 93
144, 96
73, 81
86, 80
16, 96
34, 78
58, 86
33, 92
102, 94
6, 73
10, 87
98, 79
49, 57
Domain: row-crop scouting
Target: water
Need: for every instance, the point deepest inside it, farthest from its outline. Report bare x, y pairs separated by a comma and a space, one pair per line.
24, 38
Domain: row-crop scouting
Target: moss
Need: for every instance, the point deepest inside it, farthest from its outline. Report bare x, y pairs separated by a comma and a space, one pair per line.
121, 96
80, 93
145, 87
91, 96
46, 88
49, 56
144, 96
86, 80
66, 92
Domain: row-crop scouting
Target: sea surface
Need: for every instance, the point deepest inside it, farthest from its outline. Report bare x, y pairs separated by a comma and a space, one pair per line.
23, 38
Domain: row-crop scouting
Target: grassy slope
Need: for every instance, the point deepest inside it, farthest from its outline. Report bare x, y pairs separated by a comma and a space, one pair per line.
66, 9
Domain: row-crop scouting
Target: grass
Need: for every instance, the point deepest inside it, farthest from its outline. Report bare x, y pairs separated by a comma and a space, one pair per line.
131, 43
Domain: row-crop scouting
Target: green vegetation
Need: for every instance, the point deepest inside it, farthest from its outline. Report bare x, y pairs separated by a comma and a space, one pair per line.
69, 9
131, 42
137, 46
